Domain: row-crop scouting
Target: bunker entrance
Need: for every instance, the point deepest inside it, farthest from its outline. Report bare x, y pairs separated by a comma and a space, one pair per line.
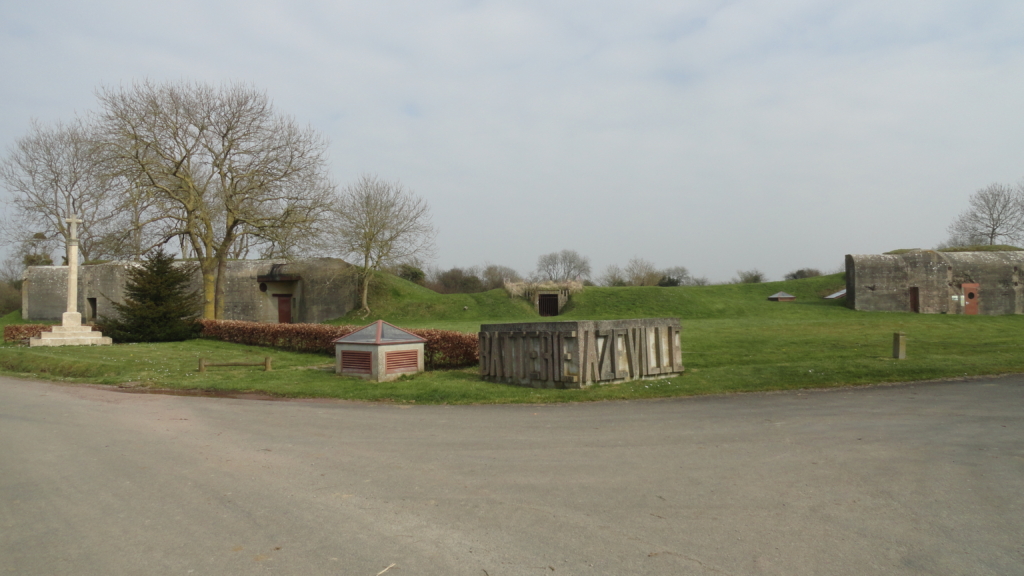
284, 308
971, 292
547, 304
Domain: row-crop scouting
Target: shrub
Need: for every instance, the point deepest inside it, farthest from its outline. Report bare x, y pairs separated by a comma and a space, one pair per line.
317, 338
456, 281
753, 276
158, 306
10, 298
411, 273
19, 332
448, 349
803, 273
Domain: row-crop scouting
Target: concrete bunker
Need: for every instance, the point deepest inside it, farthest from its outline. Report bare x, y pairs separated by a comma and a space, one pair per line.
311, 290
931, 282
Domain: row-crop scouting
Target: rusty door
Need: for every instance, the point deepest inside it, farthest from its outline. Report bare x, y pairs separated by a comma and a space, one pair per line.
915, 299
284, 308
971, 294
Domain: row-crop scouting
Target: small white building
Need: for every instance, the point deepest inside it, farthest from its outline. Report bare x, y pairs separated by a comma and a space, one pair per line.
378, 352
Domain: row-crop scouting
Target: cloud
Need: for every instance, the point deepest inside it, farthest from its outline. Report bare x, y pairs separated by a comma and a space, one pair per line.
718, 135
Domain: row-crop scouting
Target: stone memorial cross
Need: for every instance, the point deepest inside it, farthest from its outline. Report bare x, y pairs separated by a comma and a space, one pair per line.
71, 332
74, 221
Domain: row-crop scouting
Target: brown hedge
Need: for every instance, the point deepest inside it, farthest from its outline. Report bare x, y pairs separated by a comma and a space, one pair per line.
443, 349
19, 332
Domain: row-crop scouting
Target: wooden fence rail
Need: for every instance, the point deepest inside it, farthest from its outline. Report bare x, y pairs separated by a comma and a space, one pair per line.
203, 364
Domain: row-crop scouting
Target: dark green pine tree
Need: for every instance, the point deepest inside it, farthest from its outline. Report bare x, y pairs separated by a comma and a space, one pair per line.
159, 306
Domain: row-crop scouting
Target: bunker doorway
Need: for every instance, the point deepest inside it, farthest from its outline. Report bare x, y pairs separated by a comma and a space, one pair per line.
971, 295
547, 304
915, 299
284, 308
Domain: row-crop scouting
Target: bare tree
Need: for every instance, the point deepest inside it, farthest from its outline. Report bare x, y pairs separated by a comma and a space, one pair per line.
563, 266
52, 173
675, 276
381, 223
219, 164
994, 213
613, 277
640, 272
752, 276
495, 276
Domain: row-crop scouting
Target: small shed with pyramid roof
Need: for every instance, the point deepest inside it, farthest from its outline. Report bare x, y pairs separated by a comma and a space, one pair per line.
378, 352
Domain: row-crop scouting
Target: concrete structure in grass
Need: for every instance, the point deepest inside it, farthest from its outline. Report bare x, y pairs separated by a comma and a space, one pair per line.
932, 282
580, 353
378, 352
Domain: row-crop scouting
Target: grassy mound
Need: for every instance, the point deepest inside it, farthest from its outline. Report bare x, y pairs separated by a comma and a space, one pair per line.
402, 302
406, 304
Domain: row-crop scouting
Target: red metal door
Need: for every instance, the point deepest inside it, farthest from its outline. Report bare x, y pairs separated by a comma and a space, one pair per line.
284, 308
971, 294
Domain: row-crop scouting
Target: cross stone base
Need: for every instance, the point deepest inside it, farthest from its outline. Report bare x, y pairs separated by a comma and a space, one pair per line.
71, 333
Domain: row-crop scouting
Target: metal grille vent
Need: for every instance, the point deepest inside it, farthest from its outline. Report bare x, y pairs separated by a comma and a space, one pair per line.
401, 361
358, 362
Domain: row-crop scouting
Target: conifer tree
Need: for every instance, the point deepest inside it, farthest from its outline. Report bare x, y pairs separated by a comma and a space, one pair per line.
160, 305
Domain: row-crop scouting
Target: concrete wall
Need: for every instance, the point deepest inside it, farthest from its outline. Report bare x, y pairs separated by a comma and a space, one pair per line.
324, 289
578, 354
44, 292
884, 282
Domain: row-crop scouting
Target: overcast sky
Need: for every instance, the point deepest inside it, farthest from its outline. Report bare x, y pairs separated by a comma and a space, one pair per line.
716, 135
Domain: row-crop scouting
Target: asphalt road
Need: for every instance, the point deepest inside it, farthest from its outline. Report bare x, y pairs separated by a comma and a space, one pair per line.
912, 479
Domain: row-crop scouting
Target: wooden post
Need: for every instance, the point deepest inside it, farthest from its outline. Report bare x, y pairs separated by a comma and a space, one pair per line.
266, 364
202, 365
899, 346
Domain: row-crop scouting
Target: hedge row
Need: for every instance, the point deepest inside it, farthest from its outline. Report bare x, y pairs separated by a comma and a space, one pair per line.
443, 349
448, 349
19, 332
296, 337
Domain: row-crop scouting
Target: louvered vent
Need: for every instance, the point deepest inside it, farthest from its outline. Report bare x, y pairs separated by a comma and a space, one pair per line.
356, 362
401, 361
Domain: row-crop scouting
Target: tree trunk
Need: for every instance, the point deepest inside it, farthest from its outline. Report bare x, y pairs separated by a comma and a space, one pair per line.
365, 290
222, 274
209, 269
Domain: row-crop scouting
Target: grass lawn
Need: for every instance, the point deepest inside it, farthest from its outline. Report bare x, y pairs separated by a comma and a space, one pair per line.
733, 340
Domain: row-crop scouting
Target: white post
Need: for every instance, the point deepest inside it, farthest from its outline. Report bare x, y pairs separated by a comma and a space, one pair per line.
72, 317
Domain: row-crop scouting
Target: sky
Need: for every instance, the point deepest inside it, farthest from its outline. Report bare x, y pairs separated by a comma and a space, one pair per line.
713, 134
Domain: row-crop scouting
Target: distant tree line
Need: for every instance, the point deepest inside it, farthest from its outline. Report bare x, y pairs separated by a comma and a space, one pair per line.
562, 266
